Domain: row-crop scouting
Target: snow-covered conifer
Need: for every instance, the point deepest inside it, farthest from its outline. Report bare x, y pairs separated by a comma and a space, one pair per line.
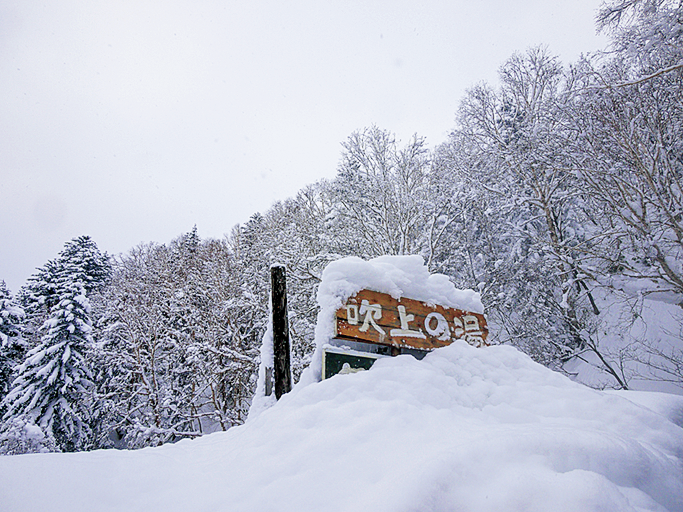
52, 385
12, 346
82, 261
87, 263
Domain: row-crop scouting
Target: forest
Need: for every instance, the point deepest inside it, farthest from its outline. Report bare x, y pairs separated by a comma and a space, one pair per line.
557, 195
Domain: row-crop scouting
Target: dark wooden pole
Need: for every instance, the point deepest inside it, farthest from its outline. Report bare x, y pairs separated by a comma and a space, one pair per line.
282, 374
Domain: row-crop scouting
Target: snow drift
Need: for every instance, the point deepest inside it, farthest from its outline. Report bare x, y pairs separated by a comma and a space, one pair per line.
463, 429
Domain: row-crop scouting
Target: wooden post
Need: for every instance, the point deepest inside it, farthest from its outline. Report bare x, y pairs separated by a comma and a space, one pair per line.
283, 376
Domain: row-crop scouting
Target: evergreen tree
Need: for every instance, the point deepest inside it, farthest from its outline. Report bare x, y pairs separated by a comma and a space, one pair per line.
49, 405
37, 297
40, 295
12, 346
52, 385
87, 263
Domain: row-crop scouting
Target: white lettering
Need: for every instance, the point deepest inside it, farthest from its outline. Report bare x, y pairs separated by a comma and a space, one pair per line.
473, 334
372, 312
441, 328
458, 329
475, 340
405, 330
471, 323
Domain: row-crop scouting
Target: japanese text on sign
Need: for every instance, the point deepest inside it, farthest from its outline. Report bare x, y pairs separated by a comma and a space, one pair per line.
375, 317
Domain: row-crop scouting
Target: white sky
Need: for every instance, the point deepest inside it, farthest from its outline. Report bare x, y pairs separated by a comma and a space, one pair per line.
132, 121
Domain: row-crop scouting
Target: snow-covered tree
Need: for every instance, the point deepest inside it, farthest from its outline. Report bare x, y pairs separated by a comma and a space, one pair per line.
87, 265
631, 120
178, 346
647, 34
627, 111
52, 386
381, 193
37, 297
530, 231
12, 346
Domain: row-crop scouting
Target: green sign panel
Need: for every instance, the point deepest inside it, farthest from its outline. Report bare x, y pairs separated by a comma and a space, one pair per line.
337, 360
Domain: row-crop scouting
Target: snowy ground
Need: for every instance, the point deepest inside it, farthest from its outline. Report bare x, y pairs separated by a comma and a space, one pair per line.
464, 429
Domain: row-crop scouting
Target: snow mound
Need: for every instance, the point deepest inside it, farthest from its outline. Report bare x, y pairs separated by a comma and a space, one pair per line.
464, 429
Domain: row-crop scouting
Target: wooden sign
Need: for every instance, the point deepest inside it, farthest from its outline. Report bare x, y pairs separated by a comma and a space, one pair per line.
374, 317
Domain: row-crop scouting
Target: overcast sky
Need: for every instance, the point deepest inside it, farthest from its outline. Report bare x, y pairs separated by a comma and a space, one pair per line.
132, 121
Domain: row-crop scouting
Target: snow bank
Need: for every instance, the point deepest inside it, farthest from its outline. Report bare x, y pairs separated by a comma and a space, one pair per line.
464, 429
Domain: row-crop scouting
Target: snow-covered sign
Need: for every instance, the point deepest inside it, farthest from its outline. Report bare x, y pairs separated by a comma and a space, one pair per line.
374, 317
402, 296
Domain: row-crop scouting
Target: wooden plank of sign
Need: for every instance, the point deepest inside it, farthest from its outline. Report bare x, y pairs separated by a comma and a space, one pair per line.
374, 317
